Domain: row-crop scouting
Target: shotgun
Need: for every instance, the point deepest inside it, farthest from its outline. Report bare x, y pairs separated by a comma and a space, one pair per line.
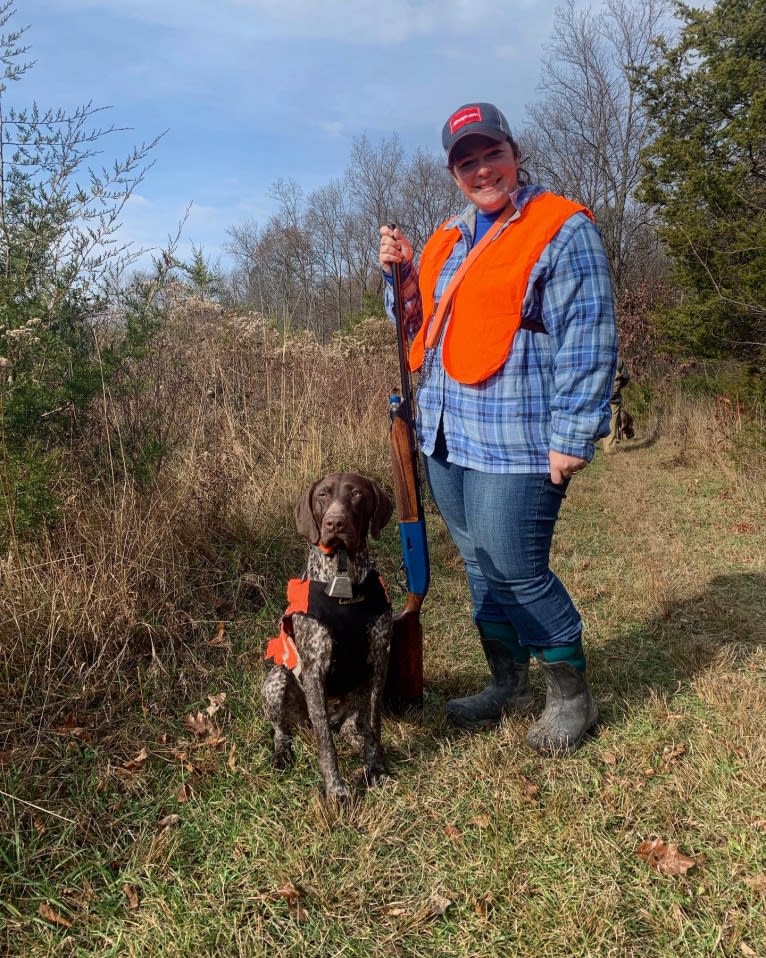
404, 685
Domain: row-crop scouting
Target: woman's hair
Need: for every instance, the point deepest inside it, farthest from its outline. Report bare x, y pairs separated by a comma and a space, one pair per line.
523, 175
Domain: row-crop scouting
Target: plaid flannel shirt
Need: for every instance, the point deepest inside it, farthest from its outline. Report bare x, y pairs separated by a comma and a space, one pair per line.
553, 390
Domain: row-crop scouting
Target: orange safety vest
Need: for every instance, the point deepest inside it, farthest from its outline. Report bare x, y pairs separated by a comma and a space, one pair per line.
486, 307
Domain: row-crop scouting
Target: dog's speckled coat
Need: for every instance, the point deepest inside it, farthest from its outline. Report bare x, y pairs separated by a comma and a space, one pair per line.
336, 512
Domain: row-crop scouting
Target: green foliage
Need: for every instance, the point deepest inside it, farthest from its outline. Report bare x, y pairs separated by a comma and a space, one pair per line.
372, 305
740, 382
65, 327
705, 172
203, 277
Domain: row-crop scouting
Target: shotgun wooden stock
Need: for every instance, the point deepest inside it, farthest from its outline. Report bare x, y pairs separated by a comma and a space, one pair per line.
404, 685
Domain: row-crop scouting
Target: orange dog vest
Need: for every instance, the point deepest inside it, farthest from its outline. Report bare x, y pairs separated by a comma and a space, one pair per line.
486, 307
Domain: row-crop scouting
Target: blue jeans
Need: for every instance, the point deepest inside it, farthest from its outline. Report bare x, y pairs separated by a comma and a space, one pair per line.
503, 527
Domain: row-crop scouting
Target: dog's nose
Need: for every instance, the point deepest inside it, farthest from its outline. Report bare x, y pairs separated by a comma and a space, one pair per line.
334, 524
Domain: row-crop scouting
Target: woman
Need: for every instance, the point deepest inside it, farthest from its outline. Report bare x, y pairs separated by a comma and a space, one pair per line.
516, 358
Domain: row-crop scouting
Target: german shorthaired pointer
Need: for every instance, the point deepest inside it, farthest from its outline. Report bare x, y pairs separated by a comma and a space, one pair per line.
332, 653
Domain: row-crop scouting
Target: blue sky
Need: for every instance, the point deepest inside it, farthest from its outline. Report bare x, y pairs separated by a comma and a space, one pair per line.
254, 90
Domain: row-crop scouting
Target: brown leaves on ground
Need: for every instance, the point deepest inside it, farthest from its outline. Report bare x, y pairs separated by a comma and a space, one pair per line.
200, 724
665, 857
220, 639
168, 822
484, 905
529, 790
74, 727
136, 763
435, 907
480, 821
292, 896
131, 893
671, 754
50, 914
757, 883
184, 793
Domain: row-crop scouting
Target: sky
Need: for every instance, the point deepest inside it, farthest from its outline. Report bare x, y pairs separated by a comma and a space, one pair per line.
250, 91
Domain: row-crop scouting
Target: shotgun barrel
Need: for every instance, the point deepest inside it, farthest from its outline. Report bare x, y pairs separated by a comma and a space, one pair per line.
404, 686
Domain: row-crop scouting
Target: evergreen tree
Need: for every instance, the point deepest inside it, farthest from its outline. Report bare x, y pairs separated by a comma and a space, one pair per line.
60, 263
705, 171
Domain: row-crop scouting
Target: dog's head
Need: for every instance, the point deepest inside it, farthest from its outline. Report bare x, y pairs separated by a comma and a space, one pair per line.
341, 509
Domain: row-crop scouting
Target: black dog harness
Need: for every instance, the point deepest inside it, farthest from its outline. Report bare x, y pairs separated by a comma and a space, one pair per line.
346, 619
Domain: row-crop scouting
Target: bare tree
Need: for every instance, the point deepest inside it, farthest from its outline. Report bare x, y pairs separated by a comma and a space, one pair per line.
429, 196
372, 181
586, 133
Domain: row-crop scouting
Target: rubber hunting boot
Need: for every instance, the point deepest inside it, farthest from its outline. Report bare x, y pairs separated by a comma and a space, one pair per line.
507, 691
569, 710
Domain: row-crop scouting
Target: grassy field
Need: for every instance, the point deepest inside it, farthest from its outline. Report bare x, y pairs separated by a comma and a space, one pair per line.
165, 831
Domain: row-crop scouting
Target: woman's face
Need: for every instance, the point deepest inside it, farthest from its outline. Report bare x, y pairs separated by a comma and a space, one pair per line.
485, 171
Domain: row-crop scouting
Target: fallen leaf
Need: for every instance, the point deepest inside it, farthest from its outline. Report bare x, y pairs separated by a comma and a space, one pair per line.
219, 640
529, 789
394, 911
168, 820
216, 703
179, 754
744, 527
204, 729
480, 821
49, 914
199, 724
672, 754
131, 893
451, 831
436, 906
746, 949
232, 759
292, 896
666, 858
484, 905
757, 883
133, 764
184, 793
288, 891
760, 824
610, 758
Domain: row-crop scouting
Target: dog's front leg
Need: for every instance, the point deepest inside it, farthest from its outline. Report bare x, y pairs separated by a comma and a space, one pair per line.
380, 641
315, 647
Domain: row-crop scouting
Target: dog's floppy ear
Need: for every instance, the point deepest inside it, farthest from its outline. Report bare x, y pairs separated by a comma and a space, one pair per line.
305, 522
382, 512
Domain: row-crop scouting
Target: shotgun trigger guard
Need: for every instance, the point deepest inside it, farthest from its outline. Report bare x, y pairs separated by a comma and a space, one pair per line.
401, 577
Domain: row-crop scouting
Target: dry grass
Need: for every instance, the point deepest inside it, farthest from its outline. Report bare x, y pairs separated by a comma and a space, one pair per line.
474, 846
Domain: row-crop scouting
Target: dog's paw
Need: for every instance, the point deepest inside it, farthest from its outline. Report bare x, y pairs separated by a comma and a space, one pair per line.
283, 758
373, 775
337, 794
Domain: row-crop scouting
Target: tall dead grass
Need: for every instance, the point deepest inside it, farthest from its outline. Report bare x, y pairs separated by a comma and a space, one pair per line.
199, 452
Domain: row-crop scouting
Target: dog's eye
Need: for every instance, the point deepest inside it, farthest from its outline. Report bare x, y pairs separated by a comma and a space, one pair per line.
356, 493
323, 494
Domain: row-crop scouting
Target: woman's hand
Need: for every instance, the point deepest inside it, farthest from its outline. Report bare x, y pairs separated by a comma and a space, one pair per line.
394, 248
563, 467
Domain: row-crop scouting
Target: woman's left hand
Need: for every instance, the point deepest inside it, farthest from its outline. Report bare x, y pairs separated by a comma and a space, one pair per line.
563, 467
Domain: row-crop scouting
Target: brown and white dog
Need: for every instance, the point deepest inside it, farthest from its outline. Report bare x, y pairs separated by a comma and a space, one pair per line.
332, 653
625, 428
